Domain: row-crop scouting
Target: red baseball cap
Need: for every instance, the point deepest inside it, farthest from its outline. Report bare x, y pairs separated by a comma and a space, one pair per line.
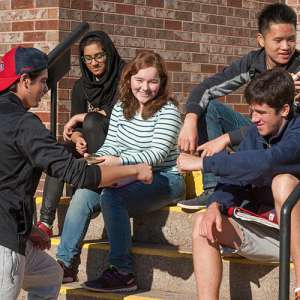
18, 61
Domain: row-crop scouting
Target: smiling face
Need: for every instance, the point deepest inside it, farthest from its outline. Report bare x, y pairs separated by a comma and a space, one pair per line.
279, 42
267, 120
95, 58
145, 85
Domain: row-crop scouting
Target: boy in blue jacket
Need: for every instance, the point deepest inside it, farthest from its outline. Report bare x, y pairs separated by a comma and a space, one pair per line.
264, 171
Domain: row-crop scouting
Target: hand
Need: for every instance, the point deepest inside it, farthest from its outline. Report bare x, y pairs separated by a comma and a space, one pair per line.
297, 88
209, 222
187, 162
68, 129
81, 145
39, 238
214, 146
188, 135
144, 173
109, 160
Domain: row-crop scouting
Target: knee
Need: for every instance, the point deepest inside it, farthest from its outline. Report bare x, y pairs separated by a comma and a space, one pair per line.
282, 186
92, 120
81, 203
197, 220
213, 107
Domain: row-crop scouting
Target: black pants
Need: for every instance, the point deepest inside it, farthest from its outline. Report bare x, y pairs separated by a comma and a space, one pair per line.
94, 130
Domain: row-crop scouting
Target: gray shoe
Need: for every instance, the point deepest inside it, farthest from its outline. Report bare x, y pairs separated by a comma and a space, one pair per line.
198, 202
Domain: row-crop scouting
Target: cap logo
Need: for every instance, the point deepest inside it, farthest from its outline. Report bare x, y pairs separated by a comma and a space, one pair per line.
24, 69
1, 66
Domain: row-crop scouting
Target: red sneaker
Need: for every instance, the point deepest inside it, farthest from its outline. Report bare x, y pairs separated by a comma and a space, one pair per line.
45, 228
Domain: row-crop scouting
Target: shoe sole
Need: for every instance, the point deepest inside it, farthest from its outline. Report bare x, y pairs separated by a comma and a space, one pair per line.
127, 289
69, 280
190, 207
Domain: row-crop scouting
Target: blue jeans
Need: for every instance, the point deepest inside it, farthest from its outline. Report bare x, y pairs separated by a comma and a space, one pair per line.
117, 206
218, 119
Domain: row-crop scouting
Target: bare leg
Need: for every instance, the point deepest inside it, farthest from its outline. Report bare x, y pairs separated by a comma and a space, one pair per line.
282, 186
207, 258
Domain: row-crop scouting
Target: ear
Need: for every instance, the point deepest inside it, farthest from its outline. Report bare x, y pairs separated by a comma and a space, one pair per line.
24, 81
260, 40
285, 110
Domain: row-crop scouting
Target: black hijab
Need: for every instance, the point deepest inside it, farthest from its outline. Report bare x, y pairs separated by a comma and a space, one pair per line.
101, 92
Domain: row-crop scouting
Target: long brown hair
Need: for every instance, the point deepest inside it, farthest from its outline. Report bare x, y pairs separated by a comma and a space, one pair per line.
129, 103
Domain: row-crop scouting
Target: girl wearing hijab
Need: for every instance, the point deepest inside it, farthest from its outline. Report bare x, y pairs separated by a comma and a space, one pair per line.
93, 98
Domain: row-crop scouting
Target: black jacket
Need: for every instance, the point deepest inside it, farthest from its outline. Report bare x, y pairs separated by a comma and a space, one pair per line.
27, 149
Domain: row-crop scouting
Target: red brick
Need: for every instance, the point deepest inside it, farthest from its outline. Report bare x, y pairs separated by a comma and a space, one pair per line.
67, 83
113, 19
183, 15
202, 58
206, 68
155, 3
235, 3
21, 4
124, 30
173, 66
5, 27
47, 3
125, 9
242, 108
23, 26
47, 25
34, 36
91, 16
207, 28
44, 116
233, 99
82, 4
145, 33
173, 25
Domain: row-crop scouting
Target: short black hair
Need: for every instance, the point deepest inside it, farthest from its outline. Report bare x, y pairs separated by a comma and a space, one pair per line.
277, 13
32, 75
274, 87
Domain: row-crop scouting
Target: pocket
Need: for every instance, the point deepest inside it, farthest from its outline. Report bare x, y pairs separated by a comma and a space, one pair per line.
9, 268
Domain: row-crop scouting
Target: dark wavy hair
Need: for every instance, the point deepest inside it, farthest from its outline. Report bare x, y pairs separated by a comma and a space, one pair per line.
274, 87
129, 103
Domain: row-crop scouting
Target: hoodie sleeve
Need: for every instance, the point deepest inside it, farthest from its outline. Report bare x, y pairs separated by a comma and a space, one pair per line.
220, 84
228, 195
258, 167
36, 143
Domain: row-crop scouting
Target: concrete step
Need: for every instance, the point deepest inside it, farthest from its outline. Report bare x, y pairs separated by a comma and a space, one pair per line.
73, 291
170, 269
167, 226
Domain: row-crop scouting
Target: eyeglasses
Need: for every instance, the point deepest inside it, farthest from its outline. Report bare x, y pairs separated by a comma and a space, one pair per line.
99, 57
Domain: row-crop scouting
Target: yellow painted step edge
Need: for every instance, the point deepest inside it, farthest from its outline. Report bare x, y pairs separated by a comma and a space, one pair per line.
109, 296
66, 200
170, 253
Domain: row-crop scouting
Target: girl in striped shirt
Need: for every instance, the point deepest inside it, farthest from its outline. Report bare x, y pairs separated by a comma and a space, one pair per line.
143, 128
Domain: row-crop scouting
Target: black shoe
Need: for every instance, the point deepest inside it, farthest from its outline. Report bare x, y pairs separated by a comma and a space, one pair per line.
112, 280
70, 273
196, 203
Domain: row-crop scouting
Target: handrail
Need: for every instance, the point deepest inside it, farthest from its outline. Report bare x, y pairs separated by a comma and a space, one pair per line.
66, 44
285, 243
59, 61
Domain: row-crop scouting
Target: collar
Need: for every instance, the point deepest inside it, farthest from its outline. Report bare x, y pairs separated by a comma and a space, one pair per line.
12, 97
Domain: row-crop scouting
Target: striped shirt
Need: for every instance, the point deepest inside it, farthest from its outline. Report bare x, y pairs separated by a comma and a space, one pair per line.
152, 141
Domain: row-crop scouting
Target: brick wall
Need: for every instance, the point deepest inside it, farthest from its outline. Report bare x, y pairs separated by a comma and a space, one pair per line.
197, 38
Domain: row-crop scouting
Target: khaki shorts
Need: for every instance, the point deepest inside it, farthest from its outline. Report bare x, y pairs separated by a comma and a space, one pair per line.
259, 242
